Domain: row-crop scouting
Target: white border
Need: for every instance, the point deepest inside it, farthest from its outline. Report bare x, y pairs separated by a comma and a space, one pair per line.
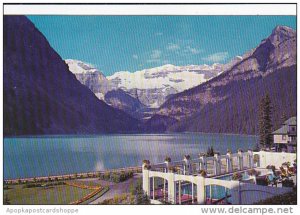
163, 9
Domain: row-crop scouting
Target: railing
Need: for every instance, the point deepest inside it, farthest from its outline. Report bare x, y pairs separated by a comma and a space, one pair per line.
214, 165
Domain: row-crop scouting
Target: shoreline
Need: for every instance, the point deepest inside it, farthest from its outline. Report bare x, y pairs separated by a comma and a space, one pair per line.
121, 134
71, 176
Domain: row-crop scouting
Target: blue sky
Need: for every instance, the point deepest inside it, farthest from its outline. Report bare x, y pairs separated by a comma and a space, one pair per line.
130, 43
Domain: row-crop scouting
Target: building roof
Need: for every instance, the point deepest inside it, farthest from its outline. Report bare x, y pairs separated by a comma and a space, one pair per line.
282, 130
291, 121
285, 126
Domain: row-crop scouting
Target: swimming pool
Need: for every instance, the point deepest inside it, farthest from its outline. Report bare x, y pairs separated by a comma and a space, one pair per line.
212, 191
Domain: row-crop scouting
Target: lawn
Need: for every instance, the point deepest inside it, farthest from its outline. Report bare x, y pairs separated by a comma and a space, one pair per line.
60, 194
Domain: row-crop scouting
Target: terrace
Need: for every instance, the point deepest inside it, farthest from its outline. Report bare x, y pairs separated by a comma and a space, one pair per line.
234, 178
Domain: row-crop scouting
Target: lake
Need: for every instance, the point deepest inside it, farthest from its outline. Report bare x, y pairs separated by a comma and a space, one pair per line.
53, 155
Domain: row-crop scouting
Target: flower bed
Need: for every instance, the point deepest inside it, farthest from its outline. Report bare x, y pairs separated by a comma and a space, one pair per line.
87, 197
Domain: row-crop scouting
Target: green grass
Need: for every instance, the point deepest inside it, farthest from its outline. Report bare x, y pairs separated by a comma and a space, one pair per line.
61, 194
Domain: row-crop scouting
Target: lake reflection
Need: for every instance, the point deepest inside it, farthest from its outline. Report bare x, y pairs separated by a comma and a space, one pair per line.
51, 155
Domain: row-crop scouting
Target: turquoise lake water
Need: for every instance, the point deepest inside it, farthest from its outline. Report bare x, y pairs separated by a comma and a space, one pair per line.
53, 155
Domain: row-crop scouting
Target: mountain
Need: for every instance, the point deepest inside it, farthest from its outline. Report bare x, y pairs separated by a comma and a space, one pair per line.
123, 101
140, 93
89, 76
153, 86
41, 95
96, 81
229, 102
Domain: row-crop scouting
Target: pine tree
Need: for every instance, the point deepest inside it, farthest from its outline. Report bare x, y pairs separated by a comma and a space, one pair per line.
283, 117
265, 122
141, 197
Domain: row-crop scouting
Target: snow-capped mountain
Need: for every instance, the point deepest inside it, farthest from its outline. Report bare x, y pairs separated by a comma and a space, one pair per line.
152, 86
90, 76
178, 77
144, 90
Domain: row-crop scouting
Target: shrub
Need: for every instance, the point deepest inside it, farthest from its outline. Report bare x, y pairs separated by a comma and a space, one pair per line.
237, 176
132, 189
203, 173
106, 202
288, 183
116, 176
148, 166
210, 151
116, 199
187, 157
172, 169
32, 185
146, 162
168, 159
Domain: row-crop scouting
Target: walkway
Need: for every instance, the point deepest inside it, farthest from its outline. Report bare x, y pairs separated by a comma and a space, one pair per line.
116, 188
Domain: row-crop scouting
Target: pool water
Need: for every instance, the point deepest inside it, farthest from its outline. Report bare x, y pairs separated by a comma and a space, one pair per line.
216, 192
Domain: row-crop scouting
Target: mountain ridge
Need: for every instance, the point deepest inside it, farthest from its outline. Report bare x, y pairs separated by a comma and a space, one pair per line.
41, 95
273, 54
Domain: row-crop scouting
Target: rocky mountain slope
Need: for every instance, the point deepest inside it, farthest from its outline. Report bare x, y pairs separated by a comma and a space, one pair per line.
90, 76
96, 81
41, 95
147, 89
229, 102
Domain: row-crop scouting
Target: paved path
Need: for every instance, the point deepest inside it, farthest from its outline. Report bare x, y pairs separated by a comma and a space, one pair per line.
116, 188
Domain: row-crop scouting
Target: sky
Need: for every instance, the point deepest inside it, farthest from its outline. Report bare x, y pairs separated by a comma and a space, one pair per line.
131, 43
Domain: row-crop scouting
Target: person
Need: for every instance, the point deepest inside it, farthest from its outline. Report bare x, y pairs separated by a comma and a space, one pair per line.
284, 173
272, 178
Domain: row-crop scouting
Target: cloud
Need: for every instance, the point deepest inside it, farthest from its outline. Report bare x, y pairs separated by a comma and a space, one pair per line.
156, 54
173, 47
192, 50
216, 57
135, 56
